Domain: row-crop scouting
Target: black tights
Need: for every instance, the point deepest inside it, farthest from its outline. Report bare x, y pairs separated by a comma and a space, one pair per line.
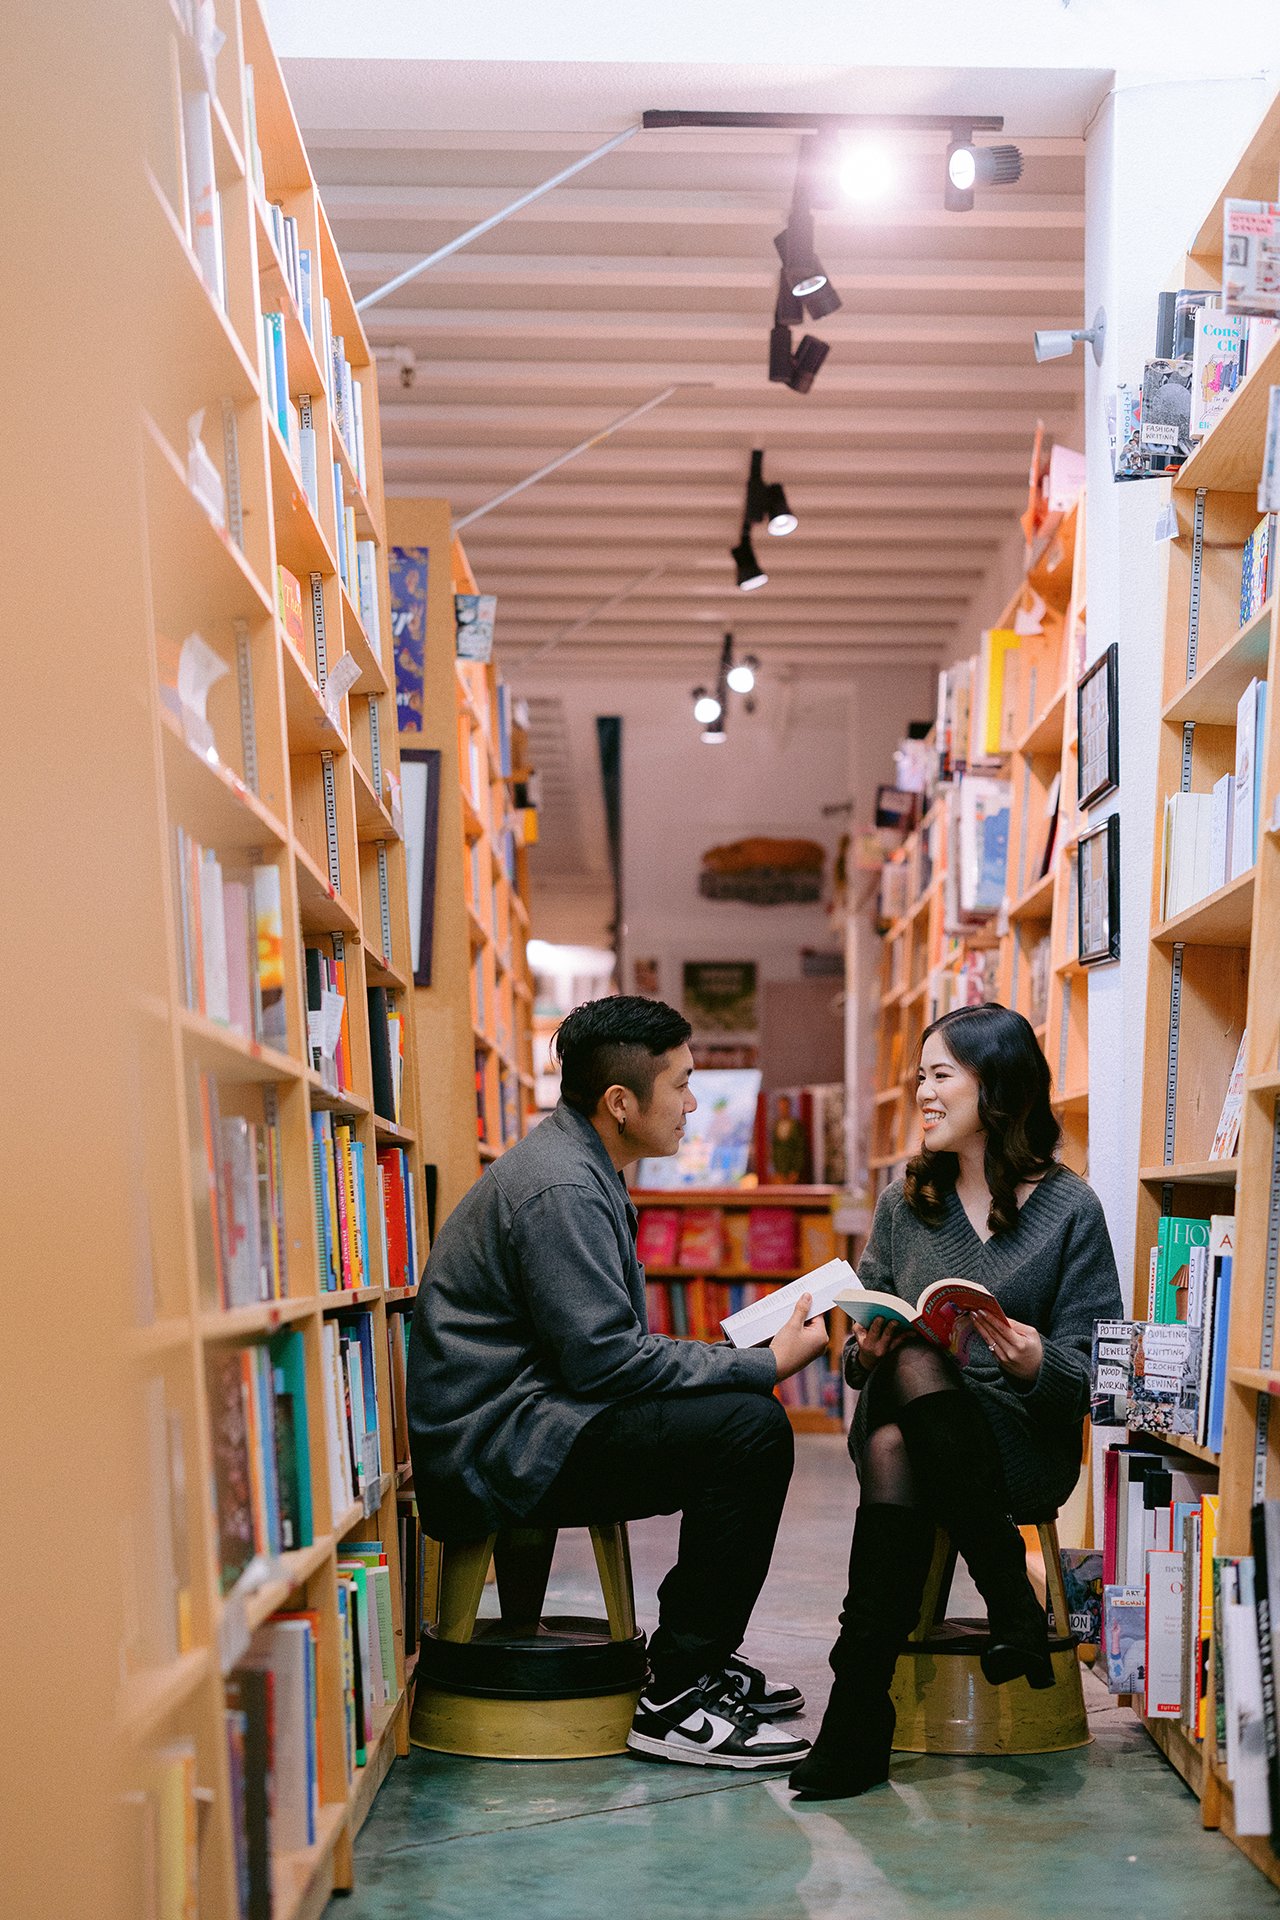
909, 1372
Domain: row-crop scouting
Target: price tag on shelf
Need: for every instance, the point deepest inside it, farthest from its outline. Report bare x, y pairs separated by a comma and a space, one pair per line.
1269, 481
370, 1473
1166, 523
343, 677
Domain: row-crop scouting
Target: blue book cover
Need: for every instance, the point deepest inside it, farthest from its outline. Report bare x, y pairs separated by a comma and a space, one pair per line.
304, 286
408, 572
1218, 1374
281, 374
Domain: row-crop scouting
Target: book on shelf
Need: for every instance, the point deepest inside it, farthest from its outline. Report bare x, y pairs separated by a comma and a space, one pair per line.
995, 649
238, 1188
386, 1043
1251, 256
1039, 963
261, 1461
402, 1253
1187, 851
982, 845
817, 1387
287, 1648
772, 1239
338, 1183
1051, 815
828, 1106
1164, 429
701, 1246
222, 917
1242, 1738
1246, 798
397, 1359
1082, 1583
1265, 1540
817, 1240
1164, 1379
1177, 312
1110, 1372
658, 1236
250, 1728
1162, 1662
328, 1028
1177, 1236
784, 1137
1222, 1233
1216, 366
204, 200
1124, 1621
1227, 1133
161, 1603
367, 601
474, 615
1257, 568
937, 1316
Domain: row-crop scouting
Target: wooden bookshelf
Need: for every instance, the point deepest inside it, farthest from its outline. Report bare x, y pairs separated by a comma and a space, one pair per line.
1039, 973
1214, 969
695, 1313
292, 772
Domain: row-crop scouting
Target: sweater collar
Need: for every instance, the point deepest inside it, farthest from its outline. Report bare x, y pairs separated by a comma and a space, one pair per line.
579, 1128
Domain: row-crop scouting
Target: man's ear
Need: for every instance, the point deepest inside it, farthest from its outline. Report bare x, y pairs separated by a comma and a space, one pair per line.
615, 1102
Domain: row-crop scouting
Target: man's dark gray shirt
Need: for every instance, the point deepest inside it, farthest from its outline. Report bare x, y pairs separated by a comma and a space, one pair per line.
530, 1321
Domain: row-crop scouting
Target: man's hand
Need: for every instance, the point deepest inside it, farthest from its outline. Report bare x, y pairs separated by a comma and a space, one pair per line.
1017, 1347
795, 1345
875, 1341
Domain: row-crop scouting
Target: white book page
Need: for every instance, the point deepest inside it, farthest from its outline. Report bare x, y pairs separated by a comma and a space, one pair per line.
760, 1321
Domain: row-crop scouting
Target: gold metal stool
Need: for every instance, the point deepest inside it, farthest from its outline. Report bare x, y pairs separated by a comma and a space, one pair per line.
522, 1687
945, 1705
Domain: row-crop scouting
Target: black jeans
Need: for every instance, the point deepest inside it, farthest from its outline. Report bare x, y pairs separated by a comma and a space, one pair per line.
723, 1462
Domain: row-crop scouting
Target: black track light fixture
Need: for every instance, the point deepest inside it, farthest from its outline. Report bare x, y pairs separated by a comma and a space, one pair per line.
780, 356
787, 310
750, 573
802, 272
969, 167
806, 362
766, 501
711, 704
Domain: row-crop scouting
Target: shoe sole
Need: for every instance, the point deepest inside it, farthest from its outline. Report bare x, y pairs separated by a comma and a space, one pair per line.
779, 1712
690, 1757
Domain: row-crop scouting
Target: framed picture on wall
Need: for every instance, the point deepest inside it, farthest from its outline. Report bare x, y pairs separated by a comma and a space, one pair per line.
1098, 893
1098, 728
420, 797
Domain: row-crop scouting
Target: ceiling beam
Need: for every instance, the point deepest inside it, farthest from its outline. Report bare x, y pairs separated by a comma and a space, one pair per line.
1055, 380
748, 141
582, 272
610, 531
887, 466
894, 330
784, 417
637, 207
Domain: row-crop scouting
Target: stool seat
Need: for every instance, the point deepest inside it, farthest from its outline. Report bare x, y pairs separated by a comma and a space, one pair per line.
525, 1687
943, 1702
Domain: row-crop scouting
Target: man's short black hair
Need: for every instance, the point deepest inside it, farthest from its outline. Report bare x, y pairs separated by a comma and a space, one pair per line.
615, 1042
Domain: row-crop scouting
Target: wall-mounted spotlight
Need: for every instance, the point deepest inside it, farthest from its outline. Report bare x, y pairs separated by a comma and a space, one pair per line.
969, 167
706, 708
1054, 343
750, 573
765, 501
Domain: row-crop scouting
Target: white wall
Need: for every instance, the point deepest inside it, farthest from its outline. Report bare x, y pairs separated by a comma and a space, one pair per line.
1156, 158
812, 742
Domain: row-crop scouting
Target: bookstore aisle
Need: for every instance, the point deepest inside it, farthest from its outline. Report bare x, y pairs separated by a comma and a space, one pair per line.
1107, 1830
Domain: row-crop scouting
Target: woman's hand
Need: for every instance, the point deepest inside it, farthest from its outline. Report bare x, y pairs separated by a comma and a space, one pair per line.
1017, 1347
875, 1341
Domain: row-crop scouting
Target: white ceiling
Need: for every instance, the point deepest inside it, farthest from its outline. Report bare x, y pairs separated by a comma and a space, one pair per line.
906, 463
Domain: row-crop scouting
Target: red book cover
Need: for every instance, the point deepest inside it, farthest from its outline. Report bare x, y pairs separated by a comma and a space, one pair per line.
702, 1240
393, 1208
658, 1304
772, 1240
658, 1237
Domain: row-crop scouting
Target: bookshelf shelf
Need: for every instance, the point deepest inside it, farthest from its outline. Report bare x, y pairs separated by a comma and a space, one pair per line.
1037, 902
1177, 1443
1257, 1379
1196, 1173
1180, 1751
1263, 1083
212, 799
1221, 919
1044, 736
1211, 698
260, 1179
223, 1050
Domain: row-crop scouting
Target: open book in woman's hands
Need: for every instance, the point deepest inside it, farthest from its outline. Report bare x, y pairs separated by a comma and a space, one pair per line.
937, 1314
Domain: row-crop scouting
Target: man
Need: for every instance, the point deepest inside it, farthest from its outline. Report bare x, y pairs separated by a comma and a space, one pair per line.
537, 1393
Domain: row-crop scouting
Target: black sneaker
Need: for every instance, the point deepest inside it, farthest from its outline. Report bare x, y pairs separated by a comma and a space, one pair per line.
708, 1726
768, 1699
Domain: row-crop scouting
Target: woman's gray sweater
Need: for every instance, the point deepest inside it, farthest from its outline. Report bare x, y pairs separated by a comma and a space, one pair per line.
1057, 1273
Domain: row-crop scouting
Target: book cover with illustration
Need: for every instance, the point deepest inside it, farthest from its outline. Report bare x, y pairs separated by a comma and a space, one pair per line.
1082, 1578
717, 1138
1164, 1378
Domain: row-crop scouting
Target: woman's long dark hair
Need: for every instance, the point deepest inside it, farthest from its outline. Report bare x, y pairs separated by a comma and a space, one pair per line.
999, 1048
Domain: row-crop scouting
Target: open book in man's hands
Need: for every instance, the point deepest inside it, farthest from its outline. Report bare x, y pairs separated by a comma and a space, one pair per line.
936, 1314
763, 1318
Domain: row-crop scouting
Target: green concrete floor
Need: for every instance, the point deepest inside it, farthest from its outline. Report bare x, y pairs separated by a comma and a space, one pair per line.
1107, 1831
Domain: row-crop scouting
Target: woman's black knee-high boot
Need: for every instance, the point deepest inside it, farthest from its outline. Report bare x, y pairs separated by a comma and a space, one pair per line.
952, 1450
888, 1565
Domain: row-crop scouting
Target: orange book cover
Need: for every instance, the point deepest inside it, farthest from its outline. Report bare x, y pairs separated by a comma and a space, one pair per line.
702, 1239
817, 1241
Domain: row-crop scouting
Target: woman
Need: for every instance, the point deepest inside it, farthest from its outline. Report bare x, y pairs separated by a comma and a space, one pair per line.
965, 1448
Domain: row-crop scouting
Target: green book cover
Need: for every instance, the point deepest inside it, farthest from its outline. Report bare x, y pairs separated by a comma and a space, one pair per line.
288, 1358
1176, 1238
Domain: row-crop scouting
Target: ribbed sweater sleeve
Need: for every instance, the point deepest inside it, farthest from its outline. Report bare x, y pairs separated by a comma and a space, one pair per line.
875, 1270
1088, 1289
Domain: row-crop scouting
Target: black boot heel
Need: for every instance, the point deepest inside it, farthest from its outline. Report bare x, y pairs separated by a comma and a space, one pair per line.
1003, 1660
843, 1763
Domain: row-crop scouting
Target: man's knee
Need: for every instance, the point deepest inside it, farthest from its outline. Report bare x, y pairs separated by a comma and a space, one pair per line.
758, 1424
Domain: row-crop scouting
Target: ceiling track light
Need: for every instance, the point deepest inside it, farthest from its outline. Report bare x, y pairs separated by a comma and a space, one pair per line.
969, 167
711, 705
765, 501
750, 573
806, 362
